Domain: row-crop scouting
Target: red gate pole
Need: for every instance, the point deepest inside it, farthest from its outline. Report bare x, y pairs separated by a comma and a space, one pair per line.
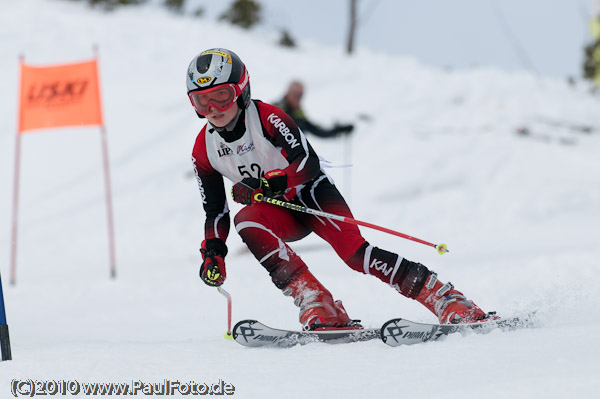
107, 189
15, 212
109, 207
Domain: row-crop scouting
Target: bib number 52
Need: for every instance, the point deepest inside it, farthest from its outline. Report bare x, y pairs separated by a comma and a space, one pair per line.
255, 171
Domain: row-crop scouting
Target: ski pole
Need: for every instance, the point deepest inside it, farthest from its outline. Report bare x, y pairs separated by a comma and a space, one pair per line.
226, 295
440, 248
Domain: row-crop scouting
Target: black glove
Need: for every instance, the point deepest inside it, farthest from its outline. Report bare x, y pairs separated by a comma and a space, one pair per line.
212, 271
343, 129
274, 183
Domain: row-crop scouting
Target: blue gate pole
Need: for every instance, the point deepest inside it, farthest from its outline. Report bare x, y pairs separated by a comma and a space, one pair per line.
4, 337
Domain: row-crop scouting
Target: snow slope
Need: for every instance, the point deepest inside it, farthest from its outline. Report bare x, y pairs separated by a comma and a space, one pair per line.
439, 160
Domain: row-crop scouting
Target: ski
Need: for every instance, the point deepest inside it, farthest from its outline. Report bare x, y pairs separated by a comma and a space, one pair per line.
396, 332
255, 334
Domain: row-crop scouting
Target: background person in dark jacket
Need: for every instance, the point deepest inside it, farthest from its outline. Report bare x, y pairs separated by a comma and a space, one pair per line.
291, 104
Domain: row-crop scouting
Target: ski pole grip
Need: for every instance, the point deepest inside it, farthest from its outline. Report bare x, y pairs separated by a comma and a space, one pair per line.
258, 197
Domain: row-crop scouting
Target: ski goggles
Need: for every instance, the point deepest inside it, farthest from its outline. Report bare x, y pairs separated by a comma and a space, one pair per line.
220, 97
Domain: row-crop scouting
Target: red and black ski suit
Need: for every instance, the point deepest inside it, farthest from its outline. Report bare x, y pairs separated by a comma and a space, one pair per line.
266, 138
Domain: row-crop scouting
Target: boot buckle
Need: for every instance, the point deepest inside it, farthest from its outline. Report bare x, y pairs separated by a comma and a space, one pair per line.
431, 281
444, 288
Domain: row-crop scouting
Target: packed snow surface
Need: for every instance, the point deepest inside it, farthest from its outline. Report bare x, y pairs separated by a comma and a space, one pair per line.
435, 154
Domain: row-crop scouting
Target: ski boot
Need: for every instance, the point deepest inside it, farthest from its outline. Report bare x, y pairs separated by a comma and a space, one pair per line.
448, 304
318, 310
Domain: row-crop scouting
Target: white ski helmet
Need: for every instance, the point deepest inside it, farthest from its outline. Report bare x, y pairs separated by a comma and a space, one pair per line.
218, 67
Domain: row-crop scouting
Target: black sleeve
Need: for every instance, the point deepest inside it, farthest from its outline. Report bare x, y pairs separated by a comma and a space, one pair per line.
280, 129
212, 192
307, 126
214, 200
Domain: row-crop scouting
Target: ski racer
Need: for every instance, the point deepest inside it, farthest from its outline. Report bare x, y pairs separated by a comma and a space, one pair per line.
261, 150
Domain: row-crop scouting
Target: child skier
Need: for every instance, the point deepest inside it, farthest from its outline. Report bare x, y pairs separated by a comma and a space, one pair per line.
259, 148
